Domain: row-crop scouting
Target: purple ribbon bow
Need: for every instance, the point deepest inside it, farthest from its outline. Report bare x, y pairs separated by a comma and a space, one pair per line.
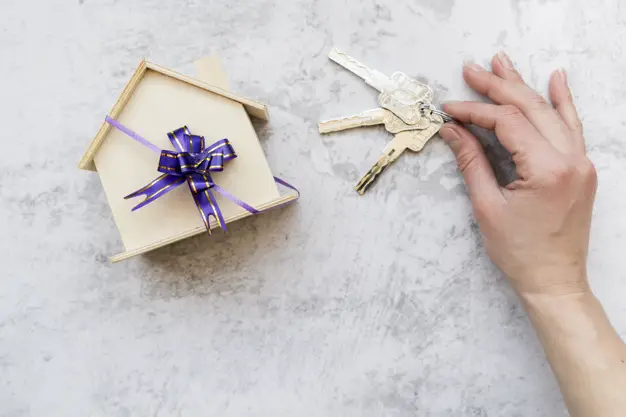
192, 163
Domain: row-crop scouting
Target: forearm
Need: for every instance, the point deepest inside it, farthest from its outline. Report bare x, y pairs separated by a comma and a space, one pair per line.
536, 229
584, 351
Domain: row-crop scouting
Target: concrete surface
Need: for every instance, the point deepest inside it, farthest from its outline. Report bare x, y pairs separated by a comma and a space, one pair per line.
338, 306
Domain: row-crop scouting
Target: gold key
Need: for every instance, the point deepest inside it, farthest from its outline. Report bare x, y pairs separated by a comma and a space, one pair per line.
413, 140
392, 123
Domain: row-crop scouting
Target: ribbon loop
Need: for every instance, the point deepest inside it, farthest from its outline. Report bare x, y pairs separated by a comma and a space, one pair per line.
192, 163
202, 162
184, 141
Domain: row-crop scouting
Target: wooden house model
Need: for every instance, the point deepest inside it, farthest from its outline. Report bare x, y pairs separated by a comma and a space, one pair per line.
157, 101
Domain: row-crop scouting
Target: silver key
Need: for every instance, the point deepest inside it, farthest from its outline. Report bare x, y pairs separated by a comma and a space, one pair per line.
407, 99
406, 83
374, 78
400, 94
392, 123
412, 140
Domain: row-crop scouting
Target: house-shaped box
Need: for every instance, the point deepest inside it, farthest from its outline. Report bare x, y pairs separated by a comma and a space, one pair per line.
157, 101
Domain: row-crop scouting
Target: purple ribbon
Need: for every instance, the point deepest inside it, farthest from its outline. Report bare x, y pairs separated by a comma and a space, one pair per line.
192, 163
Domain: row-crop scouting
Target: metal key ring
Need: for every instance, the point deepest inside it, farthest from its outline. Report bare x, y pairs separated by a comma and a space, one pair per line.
445, 116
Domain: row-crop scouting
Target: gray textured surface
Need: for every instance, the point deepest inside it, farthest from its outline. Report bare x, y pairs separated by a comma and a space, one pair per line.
338, 306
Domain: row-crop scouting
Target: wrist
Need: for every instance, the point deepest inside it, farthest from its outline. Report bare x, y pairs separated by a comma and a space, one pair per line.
565, 305
584, 350
575, 319
544, 283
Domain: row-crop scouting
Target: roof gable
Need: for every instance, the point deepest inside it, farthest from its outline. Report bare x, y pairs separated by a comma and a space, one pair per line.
253, 108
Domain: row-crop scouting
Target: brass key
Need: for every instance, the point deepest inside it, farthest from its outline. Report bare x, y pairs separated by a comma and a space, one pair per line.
412, 140
392, 123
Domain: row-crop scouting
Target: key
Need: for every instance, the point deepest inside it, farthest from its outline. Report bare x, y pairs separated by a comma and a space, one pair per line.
374, 78
400, 94
398, 81
421, 90
413, 140
392, 123
406, 100
403, 104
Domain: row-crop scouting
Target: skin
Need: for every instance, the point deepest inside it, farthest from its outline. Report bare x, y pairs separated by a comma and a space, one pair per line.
536, 230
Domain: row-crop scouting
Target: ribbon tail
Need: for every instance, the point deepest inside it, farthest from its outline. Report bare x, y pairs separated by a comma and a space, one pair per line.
235, 200
157, 188
247, 206
286, 184
132, 134
207, 206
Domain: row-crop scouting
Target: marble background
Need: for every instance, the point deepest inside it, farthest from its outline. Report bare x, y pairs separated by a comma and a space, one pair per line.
337, 306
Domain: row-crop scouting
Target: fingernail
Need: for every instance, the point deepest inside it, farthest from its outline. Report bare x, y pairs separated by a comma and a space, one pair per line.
505, 60
449, 135
562, 75
473, 66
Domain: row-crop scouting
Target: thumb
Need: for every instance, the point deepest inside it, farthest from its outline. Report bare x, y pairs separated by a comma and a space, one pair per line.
472, 162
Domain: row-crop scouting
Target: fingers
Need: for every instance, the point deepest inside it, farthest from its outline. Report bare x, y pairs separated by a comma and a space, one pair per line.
561, 98
473, 164
510, 89
513, 129
503, 67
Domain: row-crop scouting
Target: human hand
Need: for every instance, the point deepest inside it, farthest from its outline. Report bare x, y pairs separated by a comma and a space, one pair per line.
536, 230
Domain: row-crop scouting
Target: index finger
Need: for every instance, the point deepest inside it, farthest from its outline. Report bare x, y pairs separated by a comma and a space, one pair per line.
513, 129
541, 114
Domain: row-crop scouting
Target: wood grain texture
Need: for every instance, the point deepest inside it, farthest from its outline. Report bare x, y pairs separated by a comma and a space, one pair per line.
86, 161
159, 103
254, 109
210, 71
198, 230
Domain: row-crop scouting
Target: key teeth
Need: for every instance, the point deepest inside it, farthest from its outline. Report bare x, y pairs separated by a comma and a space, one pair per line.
370, 178
331, 126
361, 189
361, 186
367, 182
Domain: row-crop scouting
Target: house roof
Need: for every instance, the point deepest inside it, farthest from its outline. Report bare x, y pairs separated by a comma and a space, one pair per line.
253, 108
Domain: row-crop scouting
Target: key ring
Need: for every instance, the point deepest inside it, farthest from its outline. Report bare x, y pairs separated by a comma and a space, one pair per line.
445, 116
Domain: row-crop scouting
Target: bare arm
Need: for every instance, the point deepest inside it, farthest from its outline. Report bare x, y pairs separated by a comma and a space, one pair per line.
585, 353
537, 229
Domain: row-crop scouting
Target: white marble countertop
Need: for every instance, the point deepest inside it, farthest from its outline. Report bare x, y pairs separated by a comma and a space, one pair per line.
341, 305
